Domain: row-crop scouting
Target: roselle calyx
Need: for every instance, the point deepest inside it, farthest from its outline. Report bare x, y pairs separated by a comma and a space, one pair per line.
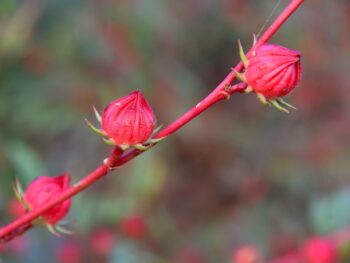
42, 190
272, 72
127, 122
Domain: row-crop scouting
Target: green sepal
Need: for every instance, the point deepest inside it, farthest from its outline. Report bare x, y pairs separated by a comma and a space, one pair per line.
242, 55
278, 106
17, 187
97, 114
255, 39
154, 141
262, 98
239, 75
53, 230
156, 130
283, 102
248, 89
109, 142
60, 229
19, 193
124, 147
141, 147
94, 129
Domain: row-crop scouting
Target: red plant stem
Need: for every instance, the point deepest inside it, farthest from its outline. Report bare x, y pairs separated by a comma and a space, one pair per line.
117, 158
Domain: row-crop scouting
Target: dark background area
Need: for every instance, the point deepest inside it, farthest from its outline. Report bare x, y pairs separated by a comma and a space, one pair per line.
240, 174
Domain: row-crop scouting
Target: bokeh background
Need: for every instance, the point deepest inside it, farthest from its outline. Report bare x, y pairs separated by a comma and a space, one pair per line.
242, 176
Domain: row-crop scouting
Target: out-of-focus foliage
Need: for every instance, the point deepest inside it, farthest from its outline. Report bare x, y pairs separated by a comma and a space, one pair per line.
241, 174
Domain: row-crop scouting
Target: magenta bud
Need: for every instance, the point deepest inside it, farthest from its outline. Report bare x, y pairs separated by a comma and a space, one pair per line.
44, 189
273, 71
128, 121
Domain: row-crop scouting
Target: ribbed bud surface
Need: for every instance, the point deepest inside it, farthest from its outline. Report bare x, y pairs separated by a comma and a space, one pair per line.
128, 120
273, 70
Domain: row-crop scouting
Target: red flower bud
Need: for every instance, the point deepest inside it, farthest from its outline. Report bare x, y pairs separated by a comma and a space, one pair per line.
273, 71
44, 189
128, 121
320, 250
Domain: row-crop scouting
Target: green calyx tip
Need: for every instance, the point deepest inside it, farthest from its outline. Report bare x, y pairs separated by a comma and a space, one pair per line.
255, 39
156, 130
278, 106
262, 98
281, 105
242, 55
248, 89
109, 142
94, 129
58, 230
239, 75
19, 193
283, 102
141, 147
97, 114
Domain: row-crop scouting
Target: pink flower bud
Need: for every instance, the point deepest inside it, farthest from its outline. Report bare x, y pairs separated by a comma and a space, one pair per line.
129, 120
320, 250
43, 190
272, 71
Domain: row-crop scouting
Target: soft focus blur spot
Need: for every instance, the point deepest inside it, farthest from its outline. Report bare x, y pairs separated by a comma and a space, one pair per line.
293, 257
246, 254
36, 60
320, 250
189, 255
70, 252
102, 241
18, 246
133, 226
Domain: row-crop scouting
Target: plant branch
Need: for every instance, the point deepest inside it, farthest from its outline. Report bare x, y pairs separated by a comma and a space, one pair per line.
118, 158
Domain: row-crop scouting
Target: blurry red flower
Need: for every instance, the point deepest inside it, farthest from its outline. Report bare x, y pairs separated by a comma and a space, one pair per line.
44, 189
189, 255
36, 60
273, 71
19, 245
320, 250
129, 120
102, 241
247, 254
70, 252
134, 226
292, 257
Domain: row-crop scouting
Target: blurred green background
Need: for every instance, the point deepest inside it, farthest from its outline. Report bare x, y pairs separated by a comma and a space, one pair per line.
240, 174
